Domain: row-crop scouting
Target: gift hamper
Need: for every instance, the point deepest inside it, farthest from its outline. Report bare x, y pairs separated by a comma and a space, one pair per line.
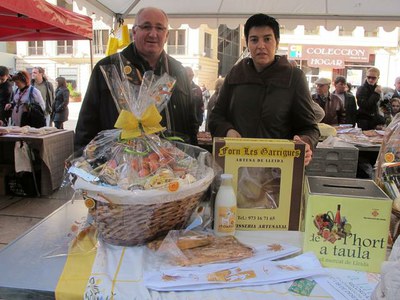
388, 171
136, 184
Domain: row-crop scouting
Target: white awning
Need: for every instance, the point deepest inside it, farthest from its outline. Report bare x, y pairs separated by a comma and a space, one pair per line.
311, 13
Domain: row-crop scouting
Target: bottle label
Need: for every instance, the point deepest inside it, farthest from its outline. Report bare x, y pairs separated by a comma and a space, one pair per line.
226, 219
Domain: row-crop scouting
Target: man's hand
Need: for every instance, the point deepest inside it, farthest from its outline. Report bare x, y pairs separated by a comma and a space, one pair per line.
233, 133
308, 154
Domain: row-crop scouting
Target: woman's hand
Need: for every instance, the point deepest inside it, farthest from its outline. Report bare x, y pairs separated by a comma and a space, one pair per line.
308, 154
7, 106
233, 133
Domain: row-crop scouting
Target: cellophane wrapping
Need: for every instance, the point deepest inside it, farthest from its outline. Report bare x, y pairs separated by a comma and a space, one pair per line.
133, 166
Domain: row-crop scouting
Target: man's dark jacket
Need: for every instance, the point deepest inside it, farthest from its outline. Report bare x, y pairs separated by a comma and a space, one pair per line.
367, 99
98, 111
6, 94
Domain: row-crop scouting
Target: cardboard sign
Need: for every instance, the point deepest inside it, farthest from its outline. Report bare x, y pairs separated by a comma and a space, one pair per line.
267, 178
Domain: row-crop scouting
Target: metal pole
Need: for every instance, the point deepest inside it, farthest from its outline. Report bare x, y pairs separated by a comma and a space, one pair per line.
91, 54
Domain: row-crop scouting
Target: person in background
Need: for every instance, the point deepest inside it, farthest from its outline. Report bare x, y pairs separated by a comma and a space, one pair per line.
21, 97
98, 111
368, 96
213, 99
396, 93
349, 88
60, 106
264, 96
319, 112
197, 97
395, 106
206, 94
39, 81
6, 94
348, 100
330, 103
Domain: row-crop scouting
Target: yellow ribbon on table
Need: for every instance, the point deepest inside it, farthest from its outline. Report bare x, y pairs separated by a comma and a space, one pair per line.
133, 127
78, 267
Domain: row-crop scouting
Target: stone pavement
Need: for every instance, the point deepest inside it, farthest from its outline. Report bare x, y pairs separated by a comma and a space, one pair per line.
19, 214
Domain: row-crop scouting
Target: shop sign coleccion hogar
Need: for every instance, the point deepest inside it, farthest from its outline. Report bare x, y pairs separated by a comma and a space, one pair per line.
329, 56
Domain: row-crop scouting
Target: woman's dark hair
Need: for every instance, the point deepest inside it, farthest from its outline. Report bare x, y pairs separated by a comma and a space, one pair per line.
261, 20
61, 81
22, 76
3, 71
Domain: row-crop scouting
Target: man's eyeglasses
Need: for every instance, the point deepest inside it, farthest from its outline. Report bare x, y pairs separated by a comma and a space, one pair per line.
371, 77
148, 28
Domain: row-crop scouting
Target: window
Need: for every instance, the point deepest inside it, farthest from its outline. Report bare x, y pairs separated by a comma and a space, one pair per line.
64, 47
344, 32
177, 42
311, 30
70, 75
35, 48
207, 45
228, 48
100, 41
373, 33
65, 4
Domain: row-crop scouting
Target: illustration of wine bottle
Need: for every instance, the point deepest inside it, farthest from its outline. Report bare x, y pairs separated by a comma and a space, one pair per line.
338, 218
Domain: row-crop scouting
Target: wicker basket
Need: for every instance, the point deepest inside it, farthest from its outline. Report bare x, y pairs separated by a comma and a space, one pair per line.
394, 226
135, 224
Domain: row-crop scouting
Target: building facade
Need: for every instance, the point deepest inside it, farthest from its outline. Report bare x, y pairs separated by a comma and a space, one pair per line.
212, 52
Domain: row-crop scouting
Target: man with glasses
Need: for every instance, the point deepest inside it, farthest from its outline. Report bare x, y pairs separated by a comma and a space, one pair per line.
98, 110
331, 104
6, 93
368, 95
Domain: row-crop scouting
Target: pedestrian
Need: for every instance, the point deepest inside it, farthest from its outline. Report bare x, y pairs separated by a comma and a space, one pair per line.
213, 99
6, 94
330, 103
396, 93
264, 96
98, 111
197, 97
60, 106
368, 97
348, 100
395, 106
206, 94
40, 81
24, 94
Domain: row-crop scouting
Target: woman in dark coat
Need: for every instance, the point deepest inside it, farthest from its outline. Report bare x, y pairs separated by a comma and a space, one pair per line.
60, 105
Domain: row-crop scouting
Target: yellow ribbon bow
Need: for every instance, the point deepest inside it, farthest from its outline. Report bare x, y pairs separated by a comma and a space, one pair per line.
130, 125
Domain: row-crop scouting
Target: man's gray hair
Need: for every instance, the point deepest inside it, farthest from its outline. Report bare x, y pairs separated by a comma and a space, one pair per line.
145, 8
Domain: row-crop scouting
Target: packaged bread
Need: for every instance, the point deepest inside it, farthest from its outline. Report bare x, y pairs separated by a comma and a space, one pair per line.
200, 249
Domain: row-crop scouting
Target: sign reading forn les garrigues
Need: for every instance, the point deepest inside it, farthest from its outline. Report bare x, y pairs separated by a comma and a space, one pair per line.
332, 56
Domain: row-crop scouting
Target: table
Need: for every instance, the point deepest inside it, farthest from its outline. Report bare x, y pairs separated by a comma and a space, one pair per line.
54, 148
31, 274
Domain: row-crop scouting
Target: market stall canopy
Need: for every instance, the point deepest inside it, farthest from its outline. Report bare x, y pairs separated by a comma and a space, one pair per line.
34, 20
290, 13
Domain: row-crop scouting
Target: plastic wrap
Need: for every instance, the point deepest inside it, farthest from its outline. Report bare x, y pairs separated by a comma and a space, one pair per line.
186, 248
137, 185
388, 162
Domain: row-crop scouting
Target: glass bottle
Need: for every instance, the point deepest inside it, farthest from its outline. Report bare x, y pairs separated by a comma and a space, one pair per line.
225, 207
